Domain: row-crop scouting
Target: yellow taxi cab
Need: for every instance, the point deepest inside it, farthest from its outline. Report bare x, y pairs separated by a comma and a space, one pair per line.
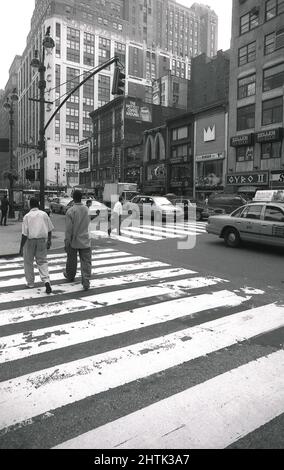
259, 221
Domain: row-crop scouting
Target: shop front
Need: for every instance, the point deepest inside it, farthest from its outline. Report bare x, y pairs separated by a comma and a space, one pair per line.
209, 176
154, 178
181, 177
247, 183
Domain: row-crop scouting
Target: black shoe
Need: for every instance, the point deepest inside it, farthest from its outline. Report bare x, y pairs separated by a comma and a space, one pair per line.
48, 289
66, 277
86, 288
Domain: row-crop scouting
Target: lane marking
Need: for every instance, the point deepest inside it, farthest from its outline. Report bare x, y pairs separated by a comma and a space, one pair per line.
28, 396
33, 342
28, 294
42, 311
212, 415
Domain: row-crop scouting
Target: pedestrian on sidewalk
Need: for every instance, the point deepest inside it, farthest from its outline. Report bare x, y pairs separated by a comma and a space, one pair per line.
4, 209
36, 240
117, 215
77, 240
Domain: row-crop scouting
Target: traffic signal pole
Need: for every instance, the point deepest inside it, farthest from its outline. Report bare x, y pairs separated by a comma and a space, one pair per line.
98, 69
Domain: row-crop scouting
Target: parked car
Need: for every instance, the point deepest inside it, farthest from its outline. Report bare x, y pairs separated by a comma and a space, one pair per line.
139, 205
225, 202
96, 209
59, 204
254, 222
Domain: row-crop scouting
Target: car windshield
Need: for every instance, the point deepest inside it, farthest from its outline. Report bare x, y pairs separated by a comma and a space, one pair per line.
162, 201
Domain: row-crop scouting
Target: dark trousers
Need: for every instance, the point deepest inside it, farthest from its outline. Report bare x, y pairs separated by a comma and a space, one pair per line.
115, 223
4, 217
85, 255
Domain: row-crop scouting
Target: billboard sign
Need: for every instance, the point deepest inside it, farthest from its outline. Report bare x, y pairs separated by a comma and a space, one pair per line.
138, 110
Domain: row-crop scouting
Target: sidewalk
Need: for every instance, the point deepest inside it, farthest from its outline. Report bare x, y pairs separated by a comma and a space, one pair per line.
10, 239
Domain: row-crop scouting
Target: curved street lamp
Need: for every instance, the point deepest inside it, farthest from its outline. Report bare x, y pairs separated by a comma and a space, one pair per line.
9, 107
38, 63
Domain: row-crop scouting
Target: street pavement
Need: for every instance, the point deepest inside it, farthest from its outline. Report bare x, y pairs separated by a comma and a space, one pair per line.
164, 351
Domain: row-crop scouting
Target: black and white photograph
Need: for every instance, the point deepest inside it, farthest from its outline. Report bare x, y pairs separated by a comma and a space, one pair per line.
141, 229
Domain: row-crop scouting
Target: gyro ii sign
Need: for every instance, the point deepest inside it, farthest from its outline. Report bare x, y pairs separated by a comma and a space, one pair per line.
254, 178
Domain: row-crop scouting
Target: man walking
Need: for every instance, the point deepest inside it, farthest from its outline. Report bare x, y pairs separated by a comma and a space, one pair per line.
36, 240
77, 240
4, 209
117, 214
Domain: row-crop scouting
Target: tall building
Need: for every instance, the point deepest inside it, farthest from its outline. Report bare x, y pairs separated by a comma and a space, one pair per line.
256, 151
150, 37
11, 85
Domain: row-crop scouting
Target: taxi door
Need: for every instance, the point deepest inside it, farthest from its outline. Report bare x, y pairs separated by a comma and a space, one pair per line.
249, 225
272, 226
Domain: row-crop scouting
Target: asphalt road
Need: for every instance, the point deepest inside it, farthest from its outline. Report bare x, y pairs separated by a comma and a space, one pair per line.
241, 378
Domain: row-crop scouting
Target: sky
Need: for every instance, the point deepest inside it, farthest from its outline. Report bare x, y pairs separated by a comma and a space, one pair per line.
16, 16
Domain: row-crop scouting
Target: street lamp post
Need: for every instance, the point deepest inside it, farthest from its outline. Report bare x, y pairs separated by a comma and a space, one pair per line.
38, 63
9, 107
57, 168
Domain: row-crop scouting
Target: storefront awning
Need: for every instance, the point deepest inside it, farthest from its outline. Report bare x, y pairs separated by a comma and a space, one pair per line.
247, 189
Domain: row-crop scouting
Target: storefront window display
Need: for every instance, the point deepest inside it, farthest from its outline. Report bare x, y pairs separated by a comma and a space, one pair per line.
209, 174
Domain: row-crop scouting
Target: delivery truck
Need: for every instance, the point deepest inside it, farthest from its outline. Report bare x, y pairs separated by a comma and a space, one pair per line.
126, 190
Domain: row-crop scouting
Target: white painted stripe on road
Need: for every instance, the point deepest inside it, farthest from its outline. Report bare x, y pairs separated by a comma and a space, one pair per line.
25, 397
55, 265
56, 277
212, 415
73, 288
33, 342
143, 230
132, 233
9, 262
171, 289
172, 232
98, 234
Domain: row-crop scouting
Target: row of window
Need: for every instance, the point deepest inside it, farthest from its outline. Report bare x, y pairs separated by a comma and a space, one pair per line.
273, 77
272, 113
268, 150
272, 42
251, 19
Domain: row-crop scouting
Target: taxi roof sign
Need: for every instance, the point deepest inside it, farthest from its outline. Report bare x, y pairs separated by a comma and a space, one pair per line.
269, 196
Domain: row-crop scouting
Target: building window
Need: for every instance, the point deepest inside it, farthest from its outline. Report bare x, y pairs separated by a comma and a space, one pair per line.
247, 54
249, 21
273, 8
103, 88
181, 133
270, 150
73, 45
244, 154
274, 41
272, 111
246, 86
246, 117
273, 77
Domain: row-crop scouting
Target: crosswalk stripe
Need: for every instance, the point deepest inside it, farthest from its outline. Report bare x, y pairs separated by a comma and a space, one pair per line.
54, 277
99, 234
152, 231
72, 288
170, 290
173, 231
132, 233
54, 387
29, 343
59, 263
12, 261
212, 415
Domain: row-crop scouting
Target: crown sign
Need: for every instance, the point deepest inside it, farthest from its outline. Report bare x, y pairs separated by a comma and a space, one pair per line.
209, 133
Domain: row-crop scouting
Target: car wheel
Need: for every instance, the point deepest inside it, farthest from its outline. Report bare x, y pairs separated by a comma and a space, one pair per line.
232, 238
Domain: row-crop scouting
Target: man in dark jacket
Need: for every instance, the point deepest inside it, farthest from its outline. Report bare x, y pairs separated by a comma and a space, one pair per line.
4, 209
77, 240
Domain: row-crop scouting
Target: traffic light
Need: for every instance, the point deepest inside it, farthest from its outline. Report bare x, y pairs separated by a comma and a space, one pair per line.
118, 82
